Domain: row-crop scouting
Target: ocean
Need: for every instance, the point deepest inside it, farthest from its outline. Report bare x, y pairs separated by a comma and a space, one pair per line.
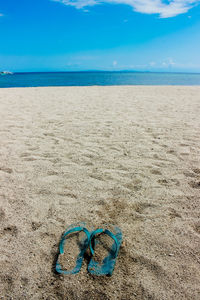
97, 78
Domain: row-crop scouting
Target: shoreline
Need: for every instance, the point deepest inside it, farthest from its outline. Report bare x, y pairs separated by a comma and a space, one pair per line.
103, 86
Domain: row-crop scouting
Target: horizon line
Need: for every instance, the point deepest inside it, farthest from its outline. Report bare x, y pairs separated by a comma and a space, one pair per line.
108, 71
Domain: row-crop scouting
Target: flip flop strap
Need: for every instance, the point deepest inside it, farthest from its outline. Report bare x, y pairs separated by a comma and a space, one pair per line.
75, 229
105, 231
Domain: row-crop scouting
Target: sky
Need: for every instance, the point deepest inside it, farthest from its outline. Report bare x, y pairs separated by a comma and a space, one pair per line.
78, 35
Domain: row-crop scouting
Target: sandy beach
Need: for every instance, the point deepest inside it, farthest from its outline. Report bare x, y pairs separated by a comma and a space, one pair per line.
124, 155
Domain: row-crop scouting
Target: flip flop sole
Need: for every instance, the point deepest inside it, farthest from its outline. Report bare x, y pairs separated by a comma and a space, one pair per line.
79, 227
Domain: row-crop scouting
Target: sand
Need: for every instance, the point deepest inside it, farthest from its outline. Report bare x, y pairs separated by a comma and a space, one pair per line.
125, 155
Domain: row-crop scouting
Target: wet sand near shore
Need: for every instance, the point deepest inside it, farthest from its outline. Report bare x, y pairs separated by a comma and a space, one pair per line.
125, 155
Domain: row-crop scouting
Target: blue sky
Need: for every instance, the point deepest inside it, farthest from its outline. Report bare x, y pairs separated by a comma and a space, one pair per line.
72, 35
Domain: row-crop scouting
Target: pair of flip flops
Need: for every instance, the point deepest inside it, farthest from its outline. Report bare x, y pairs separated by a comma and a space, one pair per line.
91, 240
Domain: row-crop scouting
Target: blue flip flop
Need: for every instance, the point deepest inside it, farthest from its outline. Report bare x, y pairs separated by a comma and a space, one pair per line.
106, 267
74, 228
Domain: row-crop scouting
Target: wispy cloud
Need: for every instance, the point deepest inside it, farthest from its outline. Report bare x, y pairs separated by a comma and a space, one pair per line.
165, 8
169, 62
1, 15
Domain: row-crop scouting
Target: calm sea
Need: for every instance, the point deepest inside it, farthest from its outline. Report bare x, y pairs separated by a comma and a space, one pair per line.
97, 78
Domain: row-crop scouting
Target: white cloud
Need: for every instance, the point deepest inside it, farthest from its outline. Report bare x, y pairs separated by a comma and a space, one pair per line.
165, 8
1, 15
168, 63
114, 63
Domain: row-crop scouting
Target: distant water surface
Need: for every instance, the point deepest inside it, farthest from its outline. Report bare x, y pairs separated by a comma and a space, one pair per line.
97, 78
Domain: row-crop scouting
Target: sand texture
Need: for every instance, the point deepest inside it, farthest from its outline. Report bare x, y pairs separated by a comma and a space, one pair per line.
128, 156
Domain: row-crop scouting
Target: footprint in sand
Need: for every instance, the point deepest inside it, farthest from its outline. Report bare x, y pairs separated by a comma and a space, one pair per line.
111, 209
6, 170
12, 230
26, 154
197, 171
24, 281
193, 173
49, 134
189, 174
29, 159
171, 151
8, 283
143, 207
67, 194
136, 185
164, 146
97, 177
184, 153
43, 192
169, 182
174, 214
35, 225
195, 184
184, 145
156, 172
51, 173
33, 148
150, 265
2, 214
197, 227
